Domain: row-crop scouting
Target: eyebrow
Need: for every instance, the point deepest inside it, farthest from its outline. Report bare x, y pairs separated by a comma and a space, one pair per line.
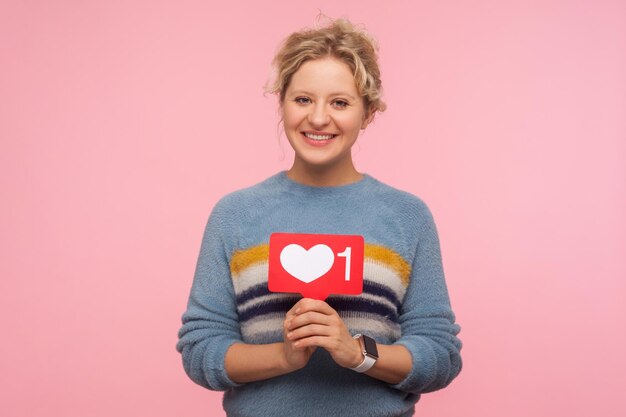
331, 94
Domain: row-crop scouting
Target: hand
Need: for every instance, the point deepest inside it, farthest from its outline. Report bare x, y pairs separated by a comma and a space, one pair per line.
296, 357
315, 323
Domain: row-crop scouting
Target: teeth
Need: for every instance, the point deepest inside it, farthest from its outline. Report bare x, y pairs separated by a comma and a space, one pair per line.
318, 137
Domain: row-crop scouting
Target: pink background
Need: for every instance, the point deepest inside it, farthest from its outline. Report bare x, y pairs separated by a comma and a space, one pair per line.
122, 123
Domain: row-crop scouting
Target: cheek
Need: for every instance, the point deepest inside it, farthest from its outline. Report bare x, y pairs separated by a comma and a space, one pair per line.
291, 118
351, 122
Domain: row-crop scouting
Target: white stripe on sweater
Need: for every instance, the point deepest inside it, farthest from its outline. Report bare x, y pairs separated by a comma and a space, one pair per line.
370, 324
372, 271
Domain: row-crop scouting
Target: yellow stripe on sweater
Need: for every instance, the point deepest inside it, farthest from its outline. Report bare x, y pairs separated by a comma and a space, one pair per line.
390, 258
245, 258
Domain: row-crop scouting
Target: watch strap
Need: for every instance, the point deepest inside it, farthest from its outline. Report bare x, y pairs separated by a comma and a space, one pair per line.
368, 361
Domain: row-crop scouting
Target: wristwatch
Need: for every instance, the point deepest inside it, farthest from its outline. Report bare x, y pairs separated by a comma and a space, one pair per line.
370, 353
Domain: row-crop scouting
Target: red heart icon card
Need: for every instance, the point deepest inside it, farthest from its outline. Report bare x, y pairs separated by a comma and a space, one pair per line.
316, 265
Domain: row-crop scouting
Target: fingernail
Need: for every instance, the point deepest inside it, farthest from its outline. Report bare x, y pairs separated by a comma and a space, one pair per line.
289, 335
297, 310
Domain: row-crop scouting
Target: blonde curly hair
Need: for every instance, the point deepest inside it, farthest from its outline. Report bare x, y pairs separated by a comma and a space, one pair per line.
338, 39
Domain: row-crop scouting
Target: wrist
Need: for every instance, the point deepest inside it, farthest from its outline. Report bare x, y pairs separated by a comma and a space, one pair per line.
283, 362
358, 354
368, 351
285, 365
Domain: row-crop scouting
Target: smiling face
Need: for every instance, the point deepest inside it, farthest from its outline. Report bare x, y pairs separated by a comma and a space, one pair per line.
323, 114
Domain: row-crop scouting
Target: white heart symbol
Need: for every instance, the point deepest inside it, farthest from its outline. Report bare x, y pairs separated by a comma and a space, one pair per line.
305, 265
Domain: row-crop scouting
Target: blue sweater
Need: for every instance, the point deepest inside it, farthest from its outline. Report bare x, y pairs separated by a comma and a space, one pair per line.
404, 301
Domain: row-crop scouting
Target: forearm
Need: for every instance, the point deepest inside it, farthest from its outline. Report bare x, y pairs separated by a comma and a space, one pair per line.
393, 365
248, 362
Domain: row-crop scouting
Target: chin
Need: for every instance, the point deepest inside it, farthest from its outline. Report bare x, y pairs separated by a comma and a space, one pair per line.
319, 163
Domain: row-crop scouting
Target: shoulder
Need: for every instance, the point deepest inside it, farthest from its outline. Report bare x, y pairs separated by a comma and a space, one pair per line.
238, 202
241, 205
403, 203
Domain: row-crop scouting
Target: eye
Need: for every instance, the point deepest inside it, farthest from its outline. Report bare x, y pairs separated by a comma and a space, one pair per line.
340, 104
302, 100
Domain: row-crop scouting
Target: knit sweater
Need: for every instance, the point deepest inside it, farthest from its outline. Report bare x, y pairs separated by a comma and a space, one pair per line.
404, 301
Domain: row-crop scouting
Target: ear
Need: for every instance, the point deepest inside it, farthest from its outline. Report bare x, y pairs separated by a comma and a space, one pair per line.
369, 116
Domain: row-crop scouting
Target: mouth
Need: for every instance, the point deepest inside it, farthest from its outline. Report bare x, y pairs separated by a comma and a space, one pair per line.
318, 139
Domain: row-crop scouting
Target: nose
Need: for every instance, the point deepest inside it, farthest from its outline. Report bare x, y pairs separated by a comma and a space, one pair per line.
318, 116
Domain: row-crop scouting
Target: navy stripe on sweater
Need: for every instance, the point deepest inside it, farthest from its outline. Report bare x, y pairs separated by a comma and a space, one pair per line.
369, 287
362, 305
282, 305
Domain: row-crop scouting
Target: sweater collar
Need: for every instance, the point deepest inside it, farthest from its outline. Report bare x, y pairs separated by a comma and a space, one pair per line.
303, 189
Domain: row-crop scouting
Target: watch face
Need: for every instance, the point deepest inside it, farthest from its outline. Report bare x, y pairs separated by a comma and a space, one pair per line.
370, 346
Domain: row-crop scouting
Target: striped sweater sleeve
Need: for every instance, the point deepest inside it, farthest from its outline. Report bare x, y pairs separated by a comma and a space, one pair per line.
428, 324
210, 323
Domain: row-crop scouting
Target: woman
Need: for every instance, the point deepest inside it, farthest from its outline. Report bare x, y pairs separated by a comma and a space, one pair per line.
277, 354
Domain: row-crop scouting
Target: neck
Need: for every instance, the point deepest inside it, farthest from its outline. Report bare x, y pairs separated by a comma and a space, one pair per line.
319, 176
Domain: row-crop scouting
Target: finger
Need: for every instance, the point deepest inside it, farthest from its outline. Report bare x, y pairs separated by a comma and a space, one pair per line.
291, 314
309, 304
329, 343
293, 346
306, 342
292, 311
311, 317
309, 330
